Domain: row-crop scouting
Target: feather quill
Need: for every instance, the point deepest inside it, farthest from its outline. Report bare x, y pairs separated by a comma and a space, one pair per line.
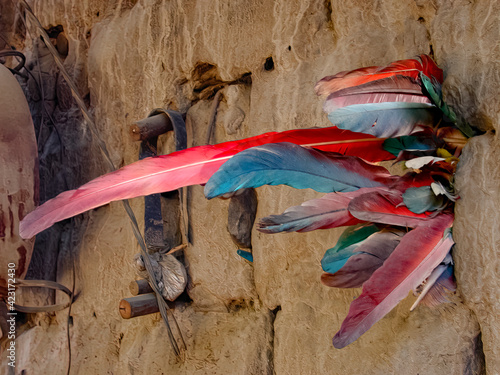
441, 289
188, 167
418, 253
298, 167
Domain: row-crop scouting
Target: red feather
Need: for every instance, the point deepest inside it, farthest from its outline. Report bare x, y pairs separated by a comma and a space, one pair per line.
413, 260
384, 207
409, 68
188, 167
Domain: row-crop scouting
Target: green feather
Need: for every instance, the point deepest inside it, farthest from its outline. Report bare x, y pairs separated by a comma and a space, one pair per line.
335, 258
407, 142
435, 94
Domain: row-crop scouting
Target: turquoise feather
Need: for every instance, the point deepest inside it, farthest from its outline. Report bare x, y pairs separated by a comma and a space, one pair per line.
298, 167
384, 120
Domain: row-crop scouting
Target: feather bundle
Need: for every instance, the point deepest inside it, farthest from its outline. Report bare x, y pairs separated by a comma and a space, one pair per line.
411, 262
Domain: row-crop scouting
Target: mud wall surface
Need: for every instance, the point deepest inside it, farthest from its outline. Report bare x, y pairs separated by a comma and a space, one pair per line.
271, 316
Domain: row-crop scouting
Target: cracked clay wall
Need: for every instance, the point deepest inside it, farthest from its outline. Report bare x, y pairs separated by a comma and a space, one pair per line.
273, 316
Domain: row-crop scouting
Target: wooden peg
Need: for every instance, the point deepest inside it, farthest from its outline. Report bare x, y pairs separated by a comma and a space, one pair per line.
143, 304
141, 286
150, 127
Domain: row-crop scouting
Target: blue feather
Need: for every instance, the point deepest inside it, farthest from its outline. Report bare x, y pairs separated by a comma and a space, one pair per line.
388, 119
298, 167
245, 255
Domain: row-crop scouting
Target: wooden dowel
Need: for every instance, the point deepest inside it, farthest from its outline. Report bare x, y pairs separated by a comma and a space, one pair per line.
150, 127
144, 304
138, 287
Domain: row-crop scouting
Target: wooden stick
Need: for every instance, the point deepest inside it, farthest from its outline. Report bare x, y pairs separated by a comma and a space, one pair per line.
141, 286
143, 304
150, 127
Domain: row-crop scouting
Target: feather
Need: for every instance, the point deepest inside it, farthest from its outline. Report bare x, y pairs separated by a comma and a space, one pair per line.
370, 255
384, 119
434, 288
418, 163
298, 167
409, 68
453, 138
418, 253
433, 90
247, 255
409, 143
347, 245
440, 290
329, 211
187, 167
439, 189
392, 89
385, 207
422, 199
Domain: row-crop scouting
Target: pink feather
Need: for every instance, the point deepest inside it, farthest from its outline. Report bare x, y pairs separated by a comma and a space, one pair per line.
392, 89
413, 260
188, 167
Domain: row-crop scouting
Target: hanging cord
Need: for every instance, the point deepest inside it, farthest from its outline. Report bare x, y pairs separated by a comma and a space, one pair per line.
213, 117
102, 146
19, 66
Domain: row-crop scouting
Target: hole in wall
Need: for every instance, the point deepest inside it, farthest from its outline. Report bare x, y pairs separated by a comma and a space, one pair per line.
58, 39
269, 64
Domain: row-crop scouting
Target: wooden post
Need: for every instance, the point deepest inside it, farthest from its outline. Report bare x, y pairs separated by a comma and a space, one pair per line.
143, 304
150, 127
141, 286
